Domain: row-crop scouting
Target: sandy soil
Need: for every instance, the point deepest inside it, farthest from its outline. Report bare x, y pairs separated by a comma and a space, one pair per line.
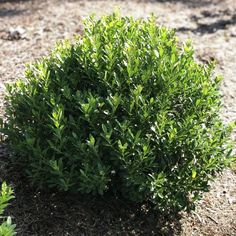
29, 29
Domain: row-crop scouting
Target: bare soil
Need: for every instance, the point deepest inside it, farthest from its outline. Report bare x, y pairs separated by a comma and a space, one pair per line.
30, 29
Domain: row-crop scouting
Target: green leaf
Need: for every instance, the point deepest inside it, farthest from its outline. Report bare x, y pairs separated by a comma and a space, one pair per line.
194, 173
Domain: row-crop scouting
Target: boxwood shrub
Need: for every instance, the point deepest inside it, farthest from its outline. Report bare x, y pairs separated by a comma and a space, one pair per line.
125, 109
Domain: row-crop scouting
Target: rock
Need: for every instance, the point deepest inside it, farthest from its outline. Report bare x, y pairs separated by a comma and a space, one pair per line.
16, 33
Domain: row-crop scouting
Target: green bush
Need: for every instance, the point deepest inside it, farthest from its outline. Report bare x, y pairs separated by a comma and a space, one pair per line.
125, 108
6, 227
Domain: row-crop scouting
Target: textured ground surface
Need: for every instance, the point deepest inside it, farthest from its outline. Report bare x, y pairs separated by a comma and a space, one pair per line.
29, 29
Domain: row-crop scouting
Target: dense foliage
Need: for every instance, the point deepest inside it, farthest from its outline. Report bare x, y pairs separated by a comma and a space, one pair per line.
125, 108
6, 227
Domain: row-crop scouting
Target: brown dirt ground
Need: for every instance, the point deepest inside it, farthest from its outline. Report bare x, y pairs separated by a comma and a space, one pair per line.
29, 29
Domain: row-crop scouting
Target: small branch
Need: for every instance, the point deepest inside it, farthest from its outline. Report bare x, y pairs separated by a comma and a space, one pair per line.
216, 222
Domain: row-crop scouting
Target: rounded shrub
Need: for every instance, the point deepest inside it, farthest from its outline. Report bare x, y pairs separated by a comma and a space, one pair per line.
124, 108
